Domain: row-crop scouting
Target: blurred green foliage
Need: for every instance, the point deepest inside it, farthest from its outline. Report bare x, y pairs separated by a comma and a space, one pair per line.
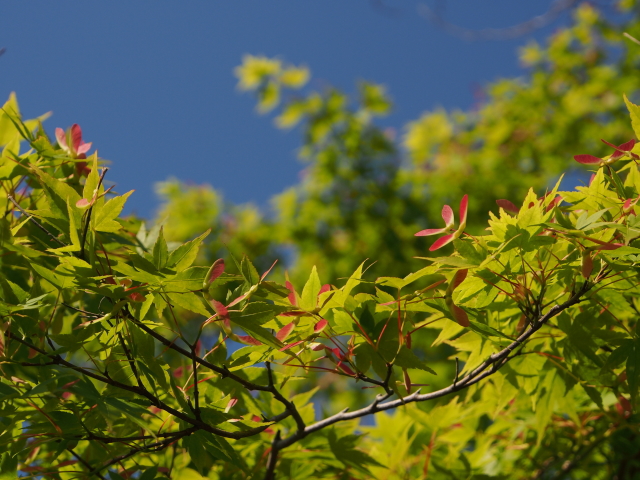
366, 190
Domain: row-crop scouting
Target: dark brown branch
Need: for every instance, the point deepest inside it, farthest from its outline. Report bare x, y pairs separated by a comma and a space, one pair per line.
224, 372
108, 440
151, 447
384, 384
272, 461
455, 379
289, 406
196, 392
57, 359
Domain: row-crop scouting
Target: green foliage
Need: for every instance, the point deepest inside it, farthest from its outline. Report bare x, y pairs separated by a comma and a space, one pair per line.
511, 352
365, 192
516, 354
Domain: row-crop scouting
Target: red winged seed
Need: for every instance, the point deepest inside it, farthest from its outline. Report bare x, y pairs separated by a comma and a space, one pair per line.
76, 136
430, 231
285, 331
507, 206
61, 137
461, 316
441, 242
137, 297
237, 300
458, 278
320, 326
621, 149
587, 159
219, 308
407, 381
249, 340
345, 368
447, 215
291, 345
464, 206
627, 146
587, 265
216, 269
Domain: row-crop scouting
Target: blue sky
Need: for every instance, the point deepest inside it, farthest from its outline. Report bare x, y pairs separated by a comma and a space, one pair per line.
151, 82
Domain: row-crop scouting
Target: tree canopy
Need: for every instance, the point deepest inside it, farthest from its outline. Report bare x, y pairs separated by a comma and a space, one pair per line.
509, 348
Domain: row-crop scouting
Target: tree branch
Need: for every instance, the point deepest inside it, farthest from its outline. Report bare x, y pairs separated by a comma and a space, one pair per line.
569, 465
86, 464
484, 370
153, 447
57, 359
539, 21
289, 406
88, 219
223, 371
35, 222
196, 392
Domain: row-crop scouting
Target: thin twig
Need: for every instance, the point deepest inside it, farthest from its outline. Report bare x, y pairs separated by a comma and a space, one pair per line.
290, 407
455, 379
36, 223
88, 219
132, 362
88, 314
86, 464
58, 360
633, 39
223, 371
539, 21
567, 466
151, 447
272, 461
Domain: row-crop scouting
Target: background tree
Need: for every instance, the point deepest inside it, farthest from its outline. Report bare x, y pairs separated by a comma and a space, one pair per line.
362, 188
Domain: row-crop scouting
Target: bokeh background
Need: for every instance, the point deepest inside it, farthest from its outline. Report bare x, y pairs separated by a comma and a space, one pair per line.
152, 84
